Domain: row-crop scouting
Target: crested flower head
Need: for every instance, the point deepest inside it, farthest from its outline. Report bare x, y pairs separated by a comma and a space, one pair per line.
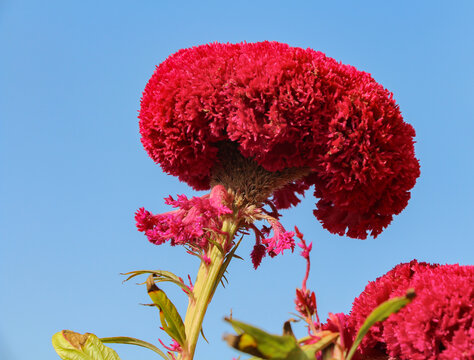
439, 322
267, 119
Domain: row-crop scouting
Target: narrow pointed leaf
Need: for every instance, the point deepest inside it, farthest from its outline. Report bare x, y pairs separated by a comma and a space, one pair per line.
158, 273
133, 341
160, 276
170, 319
223, 268
257, 342
238, 257
204, 336
73, 346
380, 313
216, 244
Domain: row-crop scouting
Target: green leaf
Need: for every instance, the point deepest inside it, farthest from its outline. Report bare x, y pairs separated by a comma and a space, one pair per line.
259, 343
160, 276
216, 244
226, 262
380, 313
326, 340
170, 319
73, 346
133, 341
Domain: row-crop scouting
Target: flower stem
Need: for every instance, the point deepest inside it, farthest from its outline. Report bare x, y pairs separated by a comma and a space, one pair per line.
208, 278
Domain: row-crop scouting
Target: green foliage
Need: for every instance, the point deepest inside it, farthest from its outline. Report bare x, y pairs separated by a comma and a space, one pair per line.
73, 346
133, 341
171, 321
160, 276
327, 339
263, 345
226, 262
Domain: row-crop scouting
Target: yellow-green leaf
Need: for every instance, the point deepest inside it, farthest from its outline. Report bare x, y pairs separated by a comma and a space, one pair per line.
132, 341
326, 339
73, 346
171, 321
257, 342
160, 276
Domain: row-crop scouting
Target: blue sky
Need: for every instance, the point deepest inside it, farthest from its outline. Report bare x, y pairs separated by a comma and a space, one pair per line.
72, 169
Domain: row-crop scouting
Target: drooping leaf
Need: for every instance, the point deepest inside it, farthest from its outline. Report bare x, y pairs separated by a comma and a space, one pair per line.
73, 346
171, 321
133, 341
160, 276
380, 313
261, 344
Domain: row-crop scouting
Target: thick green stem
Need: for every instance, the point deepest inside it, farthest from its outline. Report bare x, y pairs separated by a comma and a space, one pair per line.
208, 278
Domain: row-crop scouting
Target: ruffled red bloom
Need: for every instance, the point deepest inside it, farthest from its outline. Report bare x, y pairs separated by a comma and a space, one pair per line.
438, 324
285, 108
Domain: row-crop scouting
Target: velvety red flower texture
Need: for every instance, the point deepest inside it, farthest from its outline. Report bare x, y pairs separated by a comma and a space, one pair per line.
438, 324
284, 107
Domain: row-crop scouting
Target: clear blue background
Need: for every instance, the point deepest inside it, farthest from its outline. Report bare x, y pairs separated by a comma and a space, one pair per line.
73, 170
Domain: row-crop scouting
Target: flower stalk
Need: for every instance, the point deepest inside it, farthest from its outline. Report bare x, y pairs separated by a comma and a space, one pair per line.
208, 277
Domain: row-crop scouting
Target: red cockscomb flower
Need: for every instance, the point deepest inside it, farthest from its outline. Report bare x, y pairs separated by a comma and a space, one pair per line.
295, 117
438, 324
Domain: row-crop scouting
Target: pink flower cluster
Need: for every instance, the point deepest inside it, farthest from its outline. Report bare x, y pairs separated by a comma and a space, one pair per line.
174, 347
284, 107
200, 218
280, 241
438, 324
190, 224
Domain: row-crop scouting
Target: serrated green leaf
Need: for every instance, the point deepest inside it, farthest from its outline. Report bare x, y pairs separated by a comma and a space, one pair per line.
171, 321
132, 341
380, 313
73, 346
257, 342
